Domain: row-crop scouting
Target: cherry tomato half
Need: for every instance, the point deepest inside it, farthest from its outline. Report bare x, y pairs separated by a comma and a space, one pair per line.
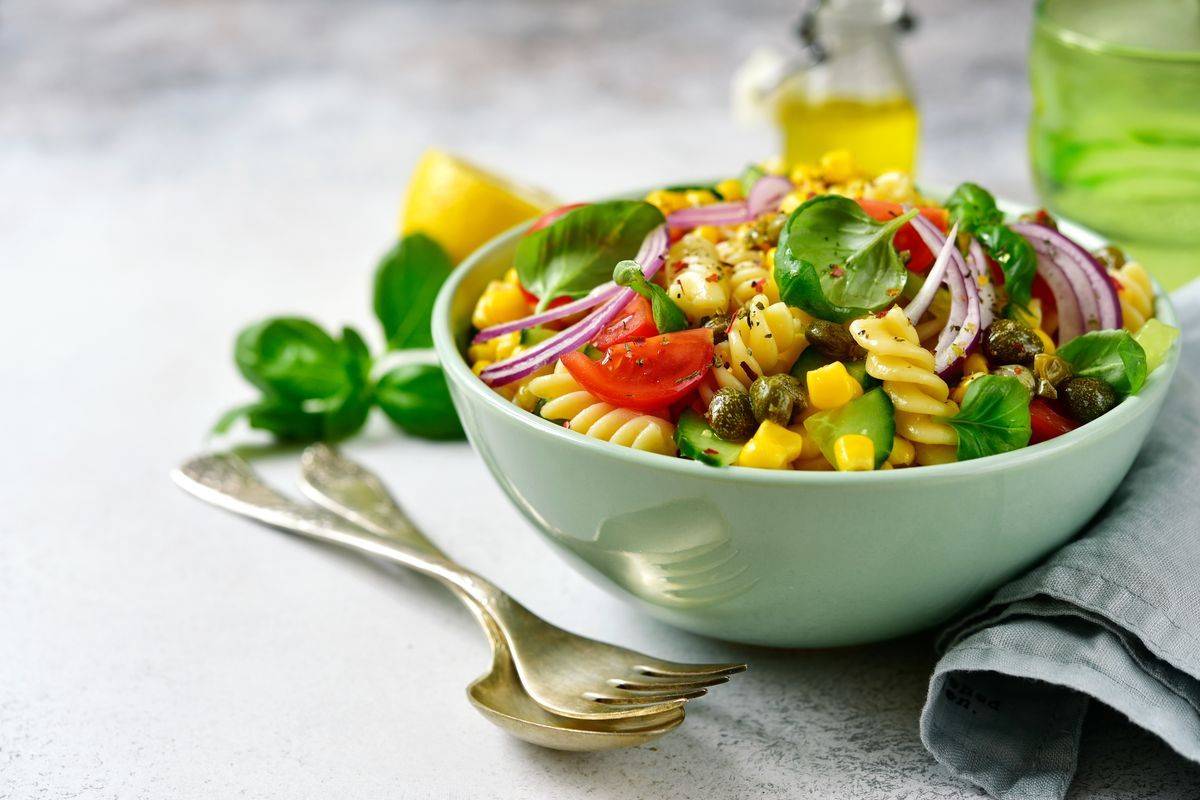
1046, 422
646, 374
634, 321
920, 258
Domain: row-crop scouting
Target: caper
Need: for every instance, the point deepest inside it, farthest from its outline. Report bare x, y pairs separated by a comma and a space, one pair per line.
1087, 398
719, 325
1040, 217
1110, 256
1023, 374
1011, 342
1051, 368
777, 398
731, 415
833, 341
1046, 389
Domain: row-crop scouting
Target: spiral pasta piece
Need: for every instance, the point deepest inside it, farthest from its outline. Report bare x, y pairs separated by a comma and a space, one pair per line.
696, 279
1136, 294
920, 397
750, 272
583, 413
765, 339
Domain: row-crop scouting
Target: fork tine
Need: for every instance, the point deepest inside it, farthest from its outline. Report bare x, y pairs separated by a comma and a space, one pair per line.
646, 700
666, 669
657, 686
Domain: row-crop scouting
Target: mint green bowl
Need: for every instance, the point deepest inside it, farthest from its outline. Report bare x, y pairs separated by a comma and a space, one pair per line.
789, 559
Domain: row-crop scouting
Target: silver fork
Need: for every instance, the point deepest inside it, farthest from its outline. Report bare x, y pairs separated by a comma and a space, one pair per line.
566, 673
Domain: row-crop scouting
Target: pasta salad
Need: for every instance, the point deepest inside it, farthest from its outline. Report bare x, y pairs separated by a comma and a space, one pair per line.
814, 318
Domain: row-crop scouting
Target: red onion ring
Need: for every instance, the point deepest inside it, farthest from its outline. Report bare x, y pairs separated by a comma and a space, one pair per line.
604, 291
962, 329
933, 280
1101, 308
977, 264
651, 256
766, 194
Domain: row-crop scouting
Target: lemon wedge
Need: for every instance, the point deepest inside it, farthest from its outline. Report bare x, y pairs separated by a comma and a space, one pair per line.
461, 205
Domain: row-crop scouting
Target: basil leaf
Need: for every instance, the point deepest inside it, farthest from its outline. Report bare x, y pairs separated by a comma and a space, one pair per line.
668, 318
406, 281
314, 386
975, 211
416, 398
836, 262
578, 251
1114, 357
994, 417
972, 207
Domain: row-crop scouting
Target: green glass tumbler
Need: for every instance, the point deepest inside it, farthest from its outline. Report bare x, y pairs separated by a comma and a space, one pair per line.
1115, 132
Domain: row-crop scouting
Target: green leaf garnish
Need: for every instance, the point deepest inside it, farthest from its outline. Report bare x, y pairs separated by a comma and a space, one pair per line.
994, 417
1113, 356
836, 262
975, 211
313, 386
416, 398
406, 282
667, 316
577, 252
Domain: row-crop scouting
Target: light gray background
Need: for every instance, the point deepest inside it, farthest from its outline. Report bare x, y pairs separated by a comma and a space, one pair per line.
172, 170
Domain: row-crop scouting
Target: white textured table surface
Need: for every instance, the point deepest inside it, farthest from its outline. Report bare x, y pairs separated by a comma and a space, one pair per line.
172, 170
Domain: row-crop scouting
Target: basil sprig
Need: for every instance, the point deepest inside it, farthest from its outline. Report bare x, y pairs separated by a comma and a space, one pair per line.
994, 417
1113, 356
668, 317
315, 387
836, 262
975, 211
578, 251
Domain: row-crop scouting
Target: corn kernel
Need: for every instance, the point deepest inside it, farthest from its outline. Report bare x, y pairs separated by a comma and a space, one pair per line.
507, 345
792, 201
511, 277
803, 173
838, 166
709, 232
832, 386
1047, 342
480, 366
730, 189
699, 197
854, 452
975, 363
770, 260
666, 201
484, 351
771, 447
500, 302
903, 453
960, 392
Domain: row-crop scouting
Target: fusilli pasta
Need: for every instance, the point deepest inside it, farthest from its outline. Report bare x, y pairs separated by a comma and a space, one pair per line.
750, 272
920, 397
1136, 294
696, 279
765, 339
582, 412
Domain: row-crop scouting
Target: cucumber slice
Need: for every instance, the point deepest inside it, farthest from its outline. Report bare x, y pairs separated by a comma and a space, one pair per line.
697, 440
812, 359
536, 335
870, 415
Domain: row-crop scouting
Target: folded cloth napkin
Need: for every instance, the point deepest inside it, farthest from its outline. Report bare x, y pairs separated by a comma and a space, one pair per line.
1114, 616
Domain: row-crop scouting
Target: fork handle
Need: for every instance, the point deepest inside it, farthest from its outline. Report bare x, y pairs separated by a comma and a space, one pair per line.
226, 481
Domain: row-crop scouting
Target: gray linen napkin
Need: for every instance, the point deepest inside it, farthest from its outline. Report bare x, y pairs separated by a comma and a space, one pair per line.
1114, 616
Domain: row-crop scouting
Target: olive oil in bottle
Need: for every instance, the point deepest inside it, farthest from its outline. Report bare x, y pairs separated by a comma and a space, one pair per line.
882, 133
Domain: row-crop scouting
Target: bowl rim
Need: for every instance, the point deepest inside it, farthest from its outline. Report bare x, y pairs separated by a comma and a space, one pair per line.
459, 372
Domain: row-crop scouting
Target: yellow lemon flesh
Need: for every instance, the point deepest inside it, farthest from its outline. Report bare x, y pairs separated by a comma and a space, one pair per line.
462, 206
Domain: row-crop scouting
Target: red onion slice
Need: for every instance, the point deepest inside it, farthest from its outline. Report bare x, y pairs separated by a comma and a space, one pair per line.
962, 329
933, 280
651, 256
766, 194
982, 275
1102, 310
604, 291
1070, 316
733, 212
